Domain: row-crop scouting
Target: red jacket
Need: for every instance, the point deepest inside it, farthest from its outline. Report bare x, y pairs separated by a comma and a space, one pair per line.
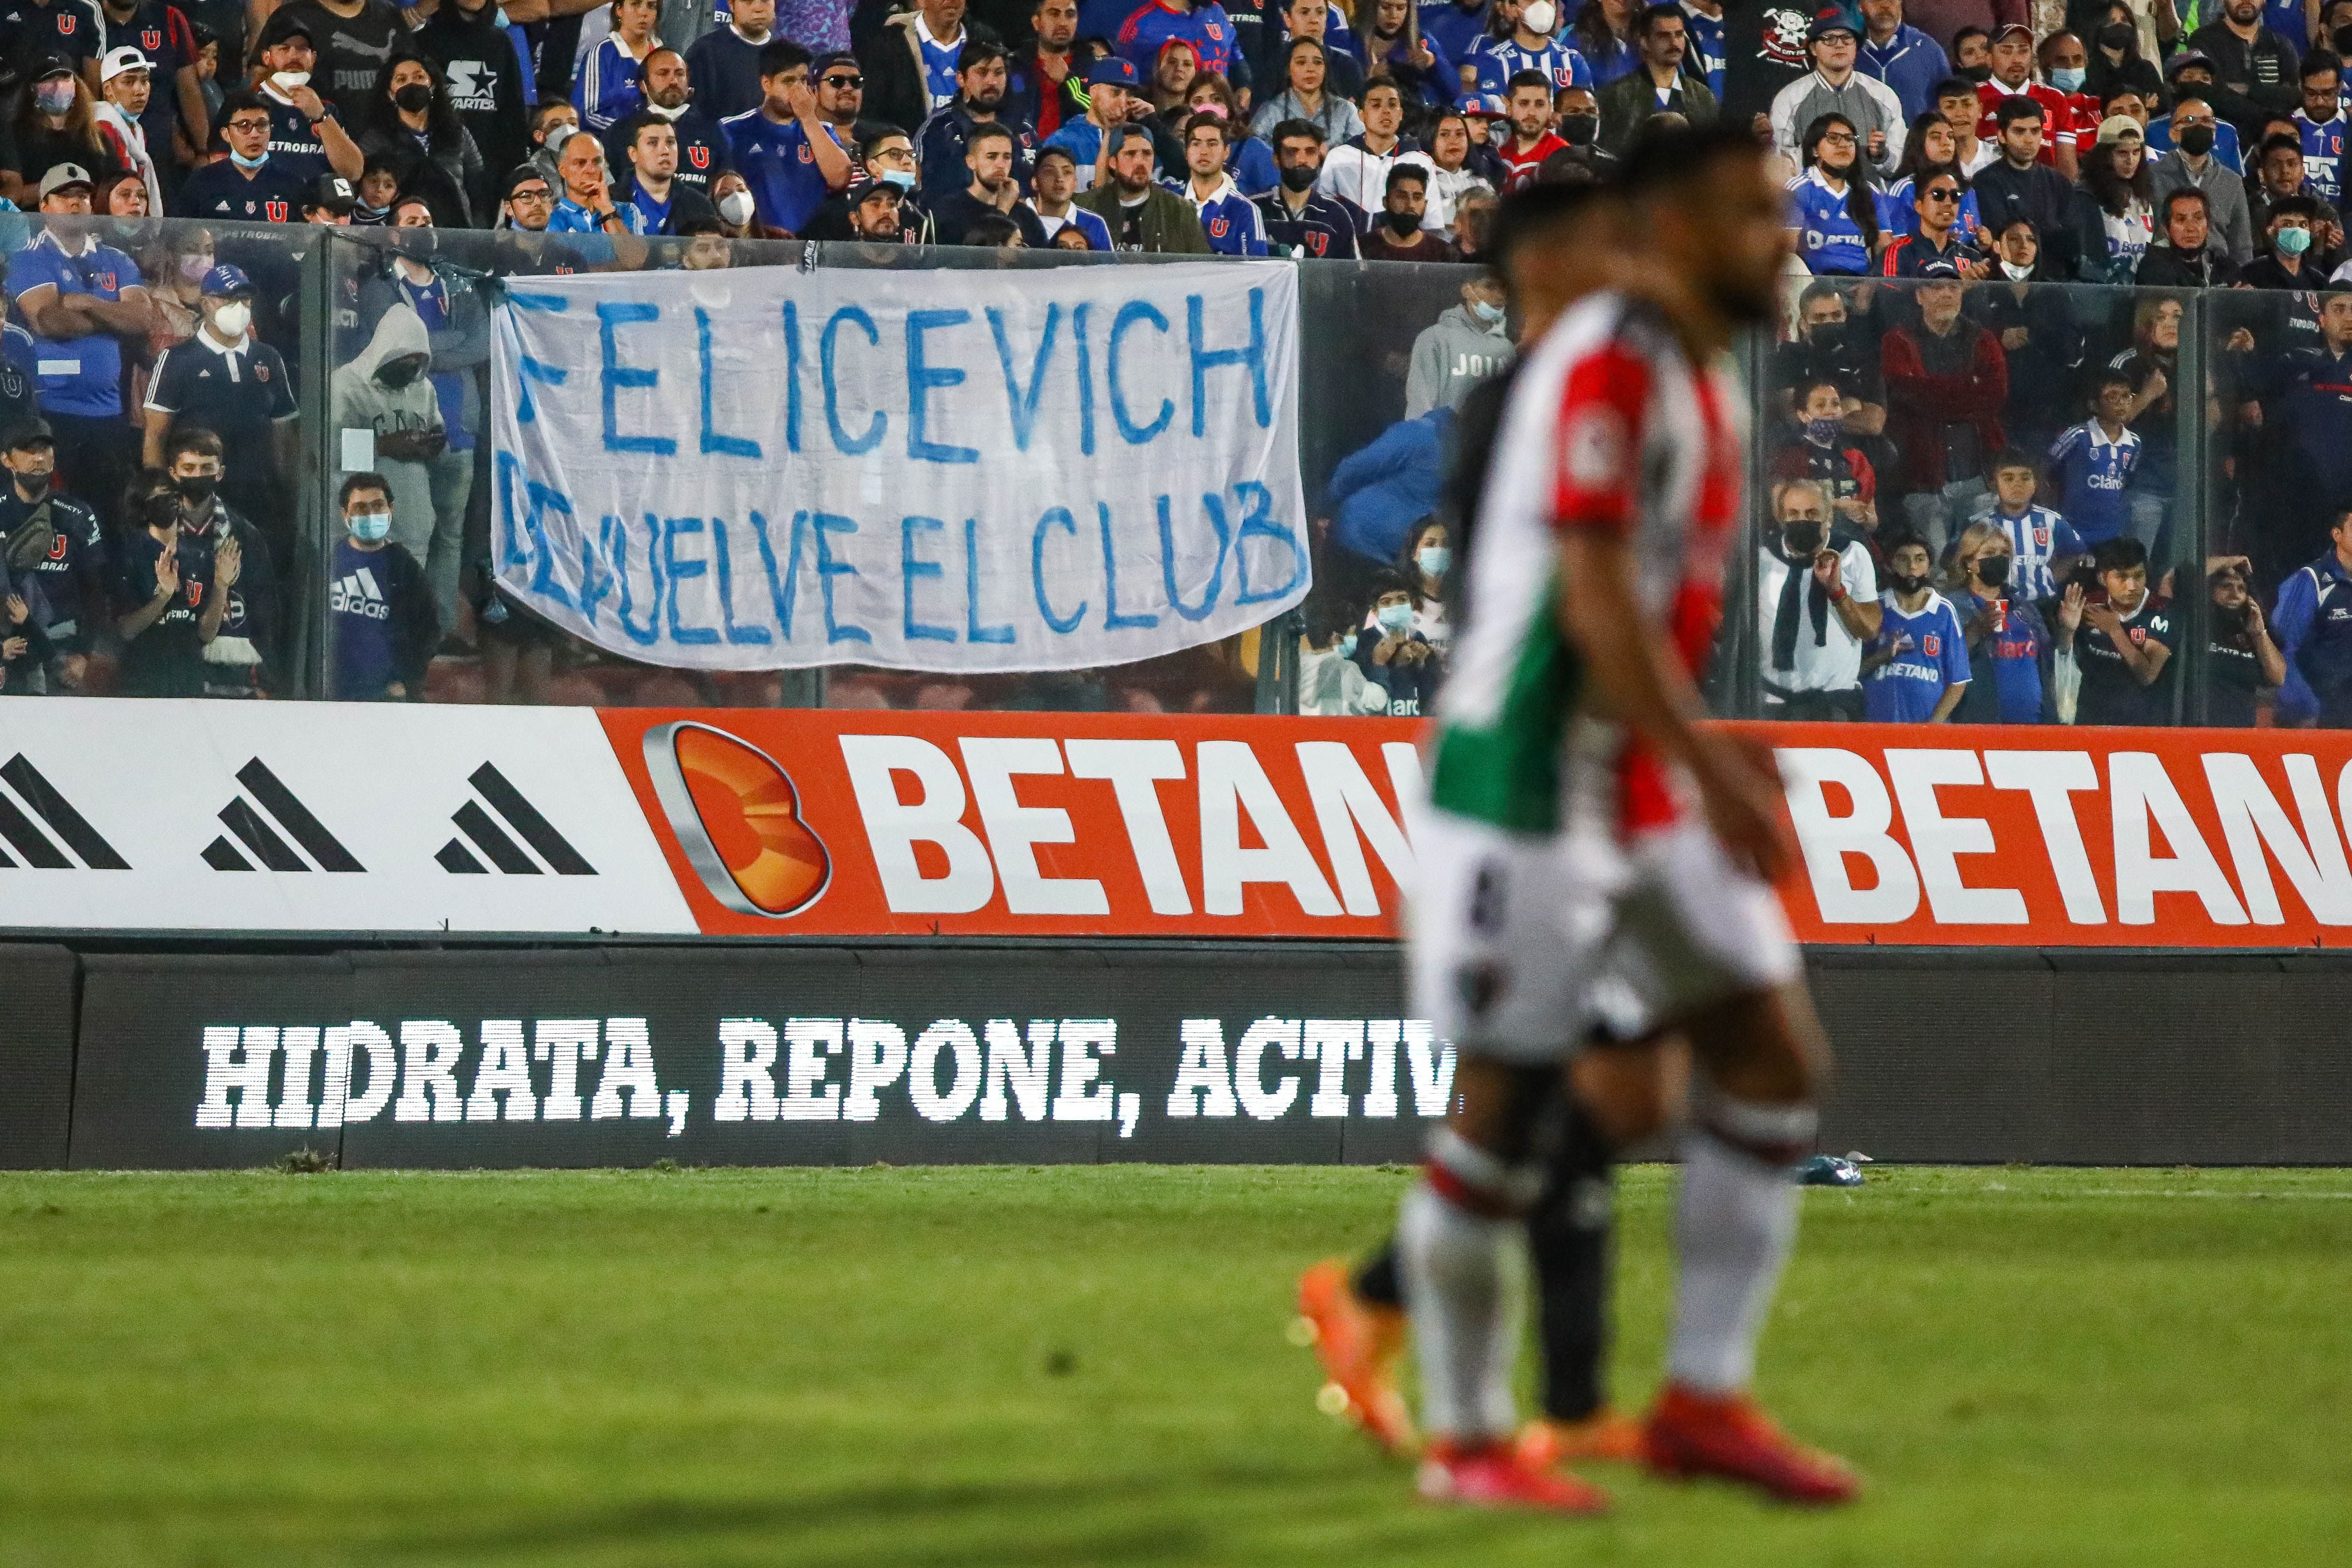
1920, 407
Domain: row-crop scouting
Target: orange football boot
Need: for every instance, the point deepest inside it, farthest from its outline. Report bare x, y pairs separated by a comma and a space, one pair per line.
1691, 1434
1359, 1346
1490, 1475
1607, 1435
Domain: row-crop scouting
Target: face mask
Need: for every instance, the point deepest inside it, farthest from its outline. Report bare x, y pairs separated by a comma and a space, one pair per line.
902, 178
287, 81
1489, 314
369, 528
397, 373
1993, 571
1801, 542
2344, 40
231, 320
1580, 130
1401, 223
1433, 559
249, 165
2118, 35
1907, 585
2197, 141
54, 97
735, 207
2068, 78
2291, 241
198, 488
1395, 618
414, 97
1822, 431
1540, 18
1299, 177
1977, 73
194, 268
2015, 273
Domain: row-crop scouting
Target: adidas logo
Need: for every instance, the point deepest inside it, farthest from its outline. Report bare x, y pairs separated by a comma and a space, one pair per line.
496, 843
357, 594
257, 832
67, 826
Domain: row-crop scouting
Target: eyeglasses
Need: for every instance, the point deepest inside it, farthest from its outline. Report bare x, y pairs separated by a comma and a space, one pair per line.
534, 194
1839, 138
248, 125
845, 81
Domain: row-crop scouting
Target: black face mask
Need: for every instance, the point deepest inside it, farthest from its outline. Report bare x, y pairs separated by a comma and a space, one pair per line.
2231, 618
1907, 585
1401, 223
1829, 335
415, 98
1299, 177
1977, 73
198, 488
1801, 542
1993, 571
2197, 141
1580, 130
161, 510
2343, 39
2118, 35
397, 373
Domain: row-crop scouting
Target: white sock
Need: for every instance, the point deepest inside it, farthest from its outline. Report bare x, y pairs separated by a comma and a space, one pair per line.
1454, 1265
1734, 1225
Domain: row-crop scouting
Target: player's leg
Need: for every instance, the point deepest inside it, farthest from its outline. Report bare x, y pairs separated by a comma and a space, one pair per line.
1721, 963
1622, 1092
1487, 971
1357, 1324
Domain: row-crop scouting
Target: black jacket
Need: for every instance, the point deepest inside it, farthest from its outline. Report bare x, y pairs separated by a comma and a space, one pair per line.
2041, 194
2165, 267
2251, 81
484, 81
895, 89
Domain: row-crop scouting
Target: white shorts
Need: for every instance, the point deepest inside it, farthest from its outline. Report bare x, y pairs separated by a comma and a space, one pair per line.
1522, 943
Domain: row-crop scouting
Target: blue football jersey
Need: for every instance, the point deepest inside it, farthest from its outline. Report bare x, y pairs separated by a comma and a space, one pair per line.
1500, 60
2323, 157
1930, 654
1828, 239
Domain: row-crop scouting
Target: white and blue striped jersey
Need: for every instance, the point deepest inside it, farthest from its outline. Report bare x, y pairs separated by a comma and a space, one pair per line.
2038, 536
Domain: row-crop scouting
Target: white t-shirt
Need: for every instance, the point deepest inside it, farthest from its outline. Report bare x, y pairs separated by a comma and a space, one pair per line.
1833, 665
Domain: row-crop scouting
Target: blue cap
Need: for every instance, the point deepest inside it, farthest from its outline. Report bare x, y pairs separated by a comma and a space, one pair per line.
1489, 104
1111, 72
225, 279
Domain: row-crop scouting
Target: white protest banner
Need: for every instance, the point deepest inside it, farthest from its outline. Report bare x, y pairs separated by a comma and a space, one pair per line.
1030, 469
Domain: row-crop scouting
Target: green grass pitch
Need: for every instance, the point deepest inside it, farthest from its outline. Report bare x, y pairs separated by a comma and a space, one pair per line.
1082, 1366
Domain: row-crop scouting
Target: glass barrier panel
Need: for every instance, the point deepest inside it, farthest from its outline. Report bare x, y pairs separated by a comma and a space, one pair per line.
152, 540
2276, 477
1970, 505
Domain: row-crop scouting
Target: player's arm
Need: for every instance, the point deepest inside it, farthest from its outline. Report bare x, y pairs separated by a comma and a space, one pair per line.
1640, 682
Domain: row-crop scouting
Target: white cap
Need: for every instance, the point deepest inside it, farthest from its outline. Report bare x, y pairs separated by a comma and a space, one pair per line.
125, 58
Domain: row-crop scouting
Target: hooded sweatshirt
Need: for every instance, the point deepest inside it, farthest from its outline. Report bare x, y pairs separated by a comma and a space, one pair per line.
363, 403
1452, 354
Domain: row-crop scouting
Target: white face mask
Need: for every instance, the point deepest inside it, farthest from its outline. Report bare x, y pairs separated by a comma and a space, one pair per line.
1540, 18
736, 206
231, 319
287, 81
2015, 273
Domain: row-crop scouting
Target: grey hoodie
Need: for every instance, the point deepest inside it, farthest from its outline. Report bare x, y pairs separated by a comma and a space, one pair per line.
363, 403
1452, 354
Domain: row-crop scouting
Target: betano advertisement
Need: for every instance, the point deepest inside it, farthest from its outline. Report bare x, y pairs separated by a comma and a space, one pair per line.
324, 818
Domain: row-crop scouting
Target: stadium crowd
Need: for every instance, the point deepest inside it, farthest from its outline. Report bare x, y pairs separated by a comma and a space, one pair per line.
1926, 400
